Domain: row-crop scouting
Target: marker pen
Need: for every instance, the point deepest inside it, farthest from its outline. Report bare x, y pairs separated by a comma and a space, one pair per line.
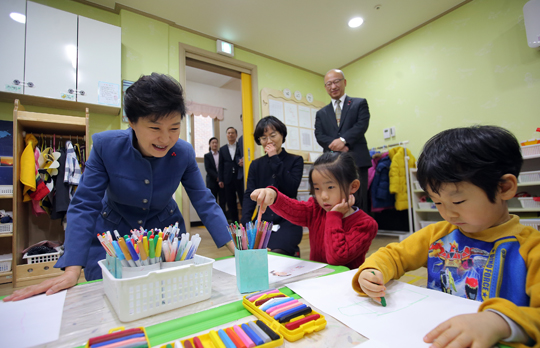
133, 253
144, 257
120, 254
158, 250
126, 252
151, 253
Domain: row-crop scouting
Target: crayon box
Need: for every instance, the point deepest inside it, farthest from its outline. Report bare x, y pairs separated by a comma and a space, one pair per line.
251, 270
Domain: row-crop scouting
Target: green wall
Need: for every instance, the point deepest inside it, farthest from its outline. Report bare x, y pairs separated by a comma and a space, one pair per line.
471, 66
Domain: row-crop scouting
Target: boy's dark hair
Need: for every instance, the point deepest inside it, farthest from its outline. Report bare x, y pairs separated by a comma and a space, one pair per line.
480, 155
269, 122
209, 141
154, 96
231, 127
340, 165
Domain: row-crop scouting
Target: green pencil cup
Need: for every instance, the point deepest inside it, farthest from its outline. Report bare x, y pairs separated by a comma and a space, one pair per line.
251, 270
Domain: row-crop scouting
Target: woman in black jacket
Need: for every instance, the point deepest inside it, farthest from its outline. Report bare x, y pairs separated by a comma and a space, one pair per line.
282, 170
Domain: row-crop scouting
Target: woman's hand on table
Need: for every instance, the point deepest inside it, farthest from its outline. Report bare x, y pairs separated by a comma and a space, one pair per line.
49, 286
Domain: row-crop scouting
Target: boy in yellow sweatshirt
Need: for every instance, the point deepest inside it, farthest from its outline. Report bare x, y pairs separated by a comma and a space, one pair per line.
480, 251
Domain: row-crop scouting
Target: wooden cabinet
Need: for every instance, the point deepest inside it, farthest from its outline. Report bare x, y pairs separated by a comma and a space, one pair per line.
59, 58
28, 228
426, 213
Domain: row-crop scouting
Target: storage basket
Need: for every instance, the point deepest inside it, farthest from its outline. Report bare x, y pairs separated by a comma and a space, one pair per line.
158, 291
5, 262
534, 223
6, 228
427, 223
530, 150
533, 176
529, 202
6, 189
42, 258
426, 205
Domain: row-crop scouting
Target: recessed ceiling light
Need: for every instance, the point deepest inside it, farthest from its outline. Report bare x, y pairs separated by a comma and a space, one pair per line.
18, 17
356, 22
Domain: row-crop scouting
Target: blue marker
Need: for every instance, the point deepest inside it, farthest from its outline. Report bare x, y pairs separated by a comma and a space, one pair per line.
133, 253
119, 253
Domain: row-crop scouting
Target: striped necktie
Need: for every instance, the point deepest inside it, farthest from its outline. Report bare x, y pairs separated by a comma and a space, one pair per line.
338, 111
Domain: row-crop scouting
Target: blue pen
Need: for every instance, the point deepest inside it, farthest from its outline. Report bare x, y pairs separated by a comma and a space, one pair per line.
290, 311
258, 341
133, 253
225, 339
120, 254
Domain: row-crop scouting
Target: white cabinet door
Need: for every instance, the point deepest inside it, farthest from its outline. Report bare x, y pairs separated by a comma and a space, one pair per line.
99, 63
12, 32
51, 52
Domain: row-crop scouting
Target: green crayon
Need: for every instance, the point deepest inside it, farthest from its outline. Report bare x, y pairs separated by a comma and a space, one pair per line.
383, 300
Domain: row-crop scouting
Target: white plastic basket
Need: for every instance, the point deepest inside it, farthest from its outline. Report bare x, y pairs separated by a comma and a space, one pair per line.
528, 202
530, 150
6, 189
533, 176
534, 223
42, 258
5, 262
426, 205
158, 291
427, 223
6, 228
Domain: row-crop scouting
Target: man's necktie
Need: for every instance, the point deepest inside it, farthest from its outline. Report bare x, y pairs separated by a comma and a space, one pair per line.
338, 111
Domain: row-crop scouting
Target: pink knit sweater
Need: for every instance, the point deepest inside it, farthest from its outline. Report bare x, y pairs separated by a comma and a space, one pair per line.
332, 239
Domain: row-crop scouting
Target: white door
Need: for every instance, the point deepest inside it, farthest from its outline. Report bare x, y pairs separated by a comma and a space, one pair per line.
99, 63
12, 31
51, 52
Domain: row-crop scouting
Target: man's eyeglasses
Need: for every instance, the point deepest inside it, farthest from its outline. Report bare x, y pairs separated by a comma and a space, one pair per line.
330, 83
273, 137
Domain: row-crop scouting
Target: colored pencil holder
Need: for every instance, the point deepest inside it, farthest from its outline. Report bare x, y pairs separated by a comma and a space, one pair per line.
132, 272
174, 264
251, 270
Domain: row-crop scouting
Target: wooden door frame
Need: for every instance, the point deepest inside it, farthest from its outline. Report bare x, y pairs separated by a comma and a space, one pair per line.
187, 51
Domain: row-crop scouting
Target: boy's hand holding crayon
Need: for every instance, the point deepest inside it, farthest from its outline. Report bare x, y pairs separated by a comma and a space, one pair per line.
264, 197
372, 283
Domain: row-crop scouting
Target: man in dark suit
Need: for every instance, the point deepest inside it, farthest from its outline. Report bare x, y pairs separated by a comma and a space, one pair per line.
228, 174
211, 161
341, 126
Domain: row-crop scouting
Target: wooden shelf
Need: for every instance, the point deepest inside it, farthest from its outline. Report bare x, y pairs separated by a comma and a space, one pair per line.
59, 104
6, 196
2, 235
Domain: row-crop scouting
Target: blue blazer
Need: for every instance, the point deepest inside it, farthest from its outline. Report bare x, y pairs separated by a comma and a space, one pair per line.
121, 190
352, 127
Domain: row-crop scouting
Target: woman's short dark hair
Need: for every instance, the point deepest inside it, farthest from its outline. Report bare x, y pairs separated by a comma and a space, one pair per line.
340, 165
269, 122
155, 96
480, 155
209, 141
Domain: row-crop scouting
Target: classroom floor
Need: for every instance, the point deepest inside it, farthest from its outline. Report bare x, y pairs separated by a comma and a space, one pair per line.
208, 248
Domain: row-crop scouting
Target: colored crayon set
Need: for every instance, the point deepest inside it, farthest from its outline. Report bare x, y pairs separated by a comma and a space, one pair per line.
292, 318
253, 236
130, 338
246, 335
145, 248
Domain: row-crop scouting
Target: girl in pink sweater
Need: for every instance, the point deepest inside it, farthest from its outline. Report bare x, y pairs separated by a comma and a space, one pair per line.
339, 233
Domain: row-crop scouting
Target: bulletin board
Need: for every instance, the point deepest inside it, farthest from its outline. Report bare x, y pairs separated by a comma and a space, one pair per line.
298, 114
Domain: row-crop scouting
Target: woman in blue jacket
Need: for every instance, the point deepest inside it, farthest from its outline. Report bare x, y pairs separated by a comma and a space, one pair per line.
129, 180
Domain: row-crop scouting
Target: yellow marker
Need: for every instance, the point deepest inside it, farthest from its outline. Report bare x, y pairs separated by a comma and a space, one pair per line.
145, 245
142, 253
158, 247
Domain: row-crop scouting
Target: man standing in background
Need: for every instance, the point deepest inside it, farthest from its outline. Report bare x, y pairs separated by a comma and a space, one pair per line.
211, 165
341, 126
228, 174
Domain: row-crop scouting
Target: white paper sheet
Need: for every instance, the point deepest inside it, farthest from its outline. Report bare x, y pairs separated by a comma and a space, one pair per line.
293, 139
275, 108
291, 114
279, 268
31, 322
304, 117
411, 311
305, 139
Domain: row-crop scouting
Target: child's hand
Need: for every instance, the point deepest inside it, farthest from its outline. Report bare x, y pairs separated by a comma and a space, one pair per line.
264, 197
372, 284
482, 329
343, 207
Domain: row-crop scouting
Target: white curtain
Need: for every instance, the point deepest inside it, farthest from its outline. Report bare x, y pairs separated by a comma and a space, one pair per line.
205, 110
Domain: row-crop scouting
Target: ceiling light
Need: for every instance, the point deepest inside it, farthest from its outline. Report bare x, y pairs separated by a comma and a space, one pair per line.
225, 48
356, 22
18, 17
